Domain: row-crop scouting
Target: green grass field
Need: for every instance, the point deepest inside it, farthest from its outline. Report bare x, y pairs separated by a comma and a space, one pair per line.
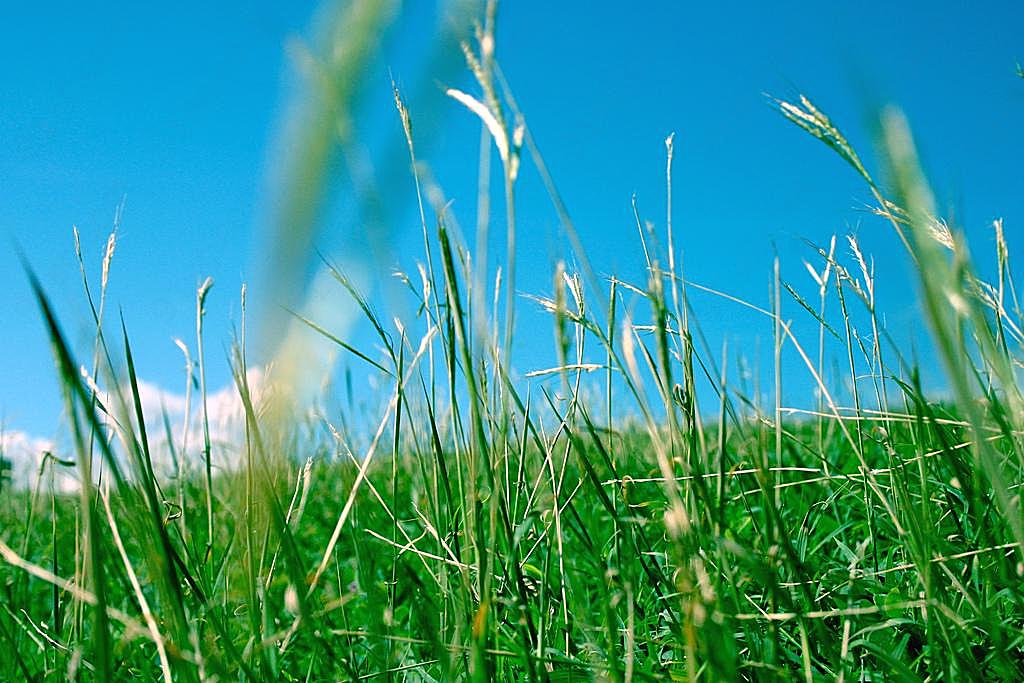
589, 521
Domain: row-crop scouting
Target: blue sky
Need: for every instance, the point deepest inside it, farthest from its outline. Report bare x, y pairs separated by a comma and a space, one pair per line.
180, 113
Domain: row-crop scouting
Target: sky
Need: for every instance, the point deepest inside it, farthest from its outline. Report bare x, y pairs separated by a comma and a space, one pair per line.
182, 117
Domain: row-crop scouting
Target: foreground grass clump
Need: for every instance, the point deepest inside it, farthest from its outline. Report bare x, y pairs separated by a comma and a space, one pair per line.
592, 520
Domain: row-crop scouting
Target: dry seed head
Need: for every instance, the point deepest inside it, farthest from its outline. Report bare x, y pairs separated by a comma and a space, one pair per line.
828, 261
816, 123
891, 211
108, 257
869, 280
940, 232
473, 62
987, 294
575, 286
89, 381
581, 367
203, 290
1001, 247
424, 282
403, 112
548, 305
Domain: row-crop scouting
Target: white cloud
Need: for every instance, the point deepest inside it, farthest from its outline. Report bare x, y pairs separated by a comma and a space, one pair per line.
156, 399
25, 454
226, 417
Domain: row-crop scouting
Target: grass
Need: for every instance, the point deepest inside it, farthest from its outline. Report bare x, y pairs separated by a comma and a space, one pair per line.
590, 521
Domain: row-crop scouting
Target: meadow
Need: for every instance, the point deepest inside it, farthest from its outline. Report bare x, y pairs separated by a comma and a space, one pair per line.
599, 519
